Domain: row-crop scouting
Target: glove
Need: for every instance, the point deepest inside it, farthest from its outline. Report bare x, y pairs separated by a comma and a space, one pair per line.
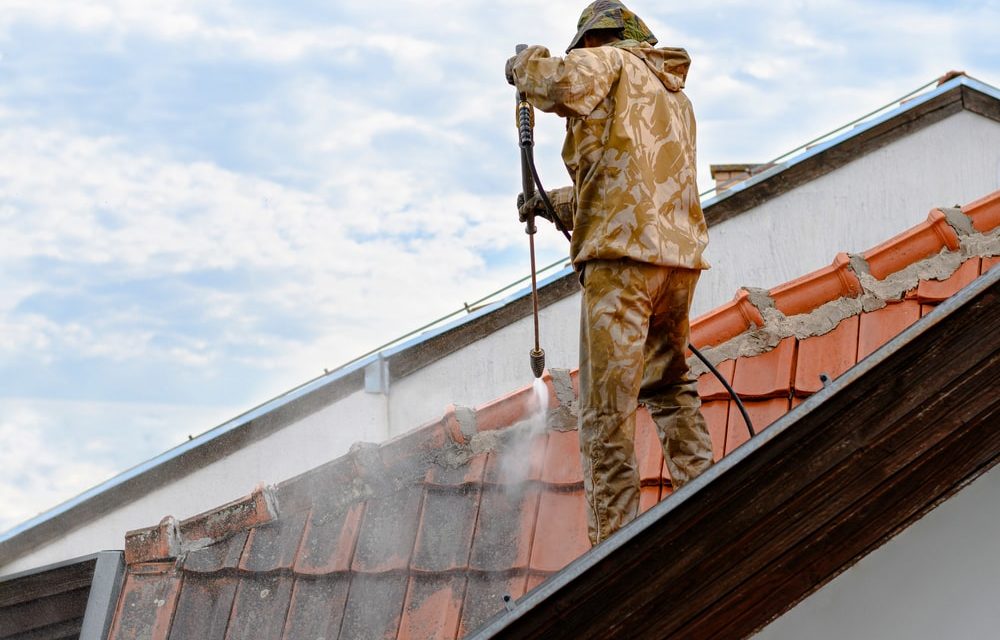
535, 206
508, 70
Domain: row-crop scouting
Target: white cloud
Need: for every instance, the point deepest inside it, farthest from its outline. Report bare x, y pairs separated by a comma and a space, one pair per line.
41, 465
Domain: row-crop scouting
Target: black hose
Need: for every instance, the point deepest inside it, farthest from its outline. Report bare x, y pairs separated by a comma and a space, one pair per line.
528, 156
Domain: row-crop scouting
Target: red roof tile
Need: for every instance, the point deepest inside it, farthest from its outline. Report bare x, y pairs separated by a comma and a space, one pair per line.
432, 607
938, 290
830, 354
561, 534
767, 375
424, 535
879, 327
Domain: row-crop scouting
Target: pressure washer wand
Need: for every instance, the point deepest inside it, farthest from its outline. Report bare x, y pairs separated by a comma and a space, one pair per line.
525, 122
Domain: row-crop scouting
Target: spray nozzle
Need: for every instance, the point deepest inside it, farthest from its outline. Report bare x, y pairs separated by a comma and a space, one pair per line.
537, 361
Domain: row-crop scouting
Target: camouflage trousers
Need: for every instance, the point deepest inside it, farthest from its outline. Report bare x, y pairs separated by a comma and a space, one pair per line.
633, 336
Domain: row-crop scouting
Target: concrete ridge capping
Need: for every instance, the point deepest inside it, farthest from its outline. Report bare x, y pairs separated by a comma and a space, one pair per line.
814, 304
959, 93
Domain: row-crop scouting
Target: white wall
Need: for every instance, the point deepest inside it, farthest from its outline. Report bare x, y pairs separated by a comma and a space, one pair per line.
851, 209
940, 578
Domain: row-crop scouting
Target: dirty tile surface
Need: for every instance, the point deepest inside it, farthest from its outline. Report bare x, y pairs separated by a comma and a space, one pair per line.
432, 534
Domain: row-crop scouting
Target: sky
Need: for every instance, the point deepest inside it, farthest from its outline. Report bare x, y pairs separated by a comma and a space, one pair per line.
205, 204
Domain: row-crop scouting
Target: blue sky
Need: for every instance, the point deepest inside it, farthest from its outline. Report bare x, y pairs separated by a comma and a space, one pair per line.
206, 204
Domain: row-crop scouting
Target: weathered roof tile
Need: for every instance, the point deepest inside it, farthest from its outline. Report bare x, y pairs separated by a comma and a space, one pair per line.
444, 541
504, 531
388, 530
329, 539
432, 608
274, 546
374, 605
316, 609
203, 608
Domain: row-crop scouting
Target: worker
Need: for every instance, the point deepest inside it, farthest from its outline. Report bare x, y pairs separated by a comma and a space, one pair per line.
638, 241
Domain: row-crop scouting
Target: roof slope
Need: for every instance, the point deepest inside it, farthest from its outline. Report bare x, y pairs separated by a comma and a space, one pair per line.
431, 534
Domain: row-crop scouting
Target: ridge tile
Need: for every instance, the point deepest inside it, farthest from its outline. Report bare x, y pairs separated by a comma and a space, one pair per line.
919, 242
804, 294
985, 212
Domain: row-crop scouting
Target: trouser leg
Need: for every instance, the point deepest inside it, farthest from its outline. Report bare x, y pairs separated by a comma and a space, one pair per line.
613, 325
669, 390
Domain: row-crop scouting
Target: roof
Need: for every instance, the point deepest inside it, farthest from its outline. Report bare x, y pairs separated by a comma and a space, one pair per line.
435, 532
439, 340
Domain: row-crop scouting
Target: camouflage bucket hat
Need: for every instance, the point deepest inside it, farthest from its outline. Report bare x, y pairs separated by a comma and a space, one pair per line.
610, 14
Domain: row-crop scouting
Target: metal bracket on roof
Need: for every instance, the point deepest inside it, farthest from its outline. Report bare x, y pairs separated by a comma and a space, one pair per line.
377, 376
105, 587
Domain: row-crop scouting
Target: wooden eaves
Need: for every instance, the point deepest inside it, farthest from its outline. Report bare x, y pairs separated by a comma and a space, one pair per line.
830, 482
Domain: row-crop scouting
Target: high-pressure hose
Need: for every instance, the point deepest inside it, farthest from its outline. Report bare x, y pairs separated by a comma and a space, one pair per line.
529, 181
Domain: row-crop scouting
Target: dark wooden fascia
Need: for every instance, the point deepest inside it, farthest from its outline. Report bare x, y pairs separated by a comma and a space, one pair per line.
834, 479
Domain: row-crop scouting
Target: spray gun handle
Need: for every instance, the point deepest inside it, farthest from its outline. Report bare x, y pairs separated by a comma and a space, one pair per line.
525, 123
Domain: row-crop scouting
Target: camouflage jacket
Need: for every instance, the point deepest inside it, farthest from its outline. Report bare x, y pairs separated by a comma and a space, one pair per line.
630, 150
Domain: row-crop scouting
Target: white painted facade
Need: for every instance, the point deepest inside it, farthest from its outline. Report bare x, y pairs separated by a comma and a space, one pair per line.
853, 208
940, 578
